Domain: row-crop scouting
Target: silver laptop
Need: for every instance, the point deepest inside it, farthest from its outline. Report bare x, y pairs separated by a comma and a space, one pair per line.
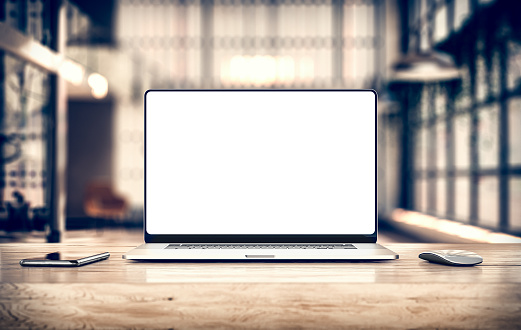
260, 175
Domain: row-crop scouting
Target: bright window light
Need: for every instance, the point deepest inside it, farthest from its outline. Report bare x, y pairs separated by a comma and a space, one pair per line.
265, 70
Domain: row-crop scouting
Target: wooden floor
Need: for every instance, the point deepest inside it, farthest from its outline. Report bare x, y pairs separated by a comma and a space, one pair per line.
116, 293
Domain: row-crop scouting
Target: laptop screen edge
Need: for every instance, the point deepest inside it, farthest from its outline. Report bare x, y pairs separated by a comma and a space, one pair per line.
268, 238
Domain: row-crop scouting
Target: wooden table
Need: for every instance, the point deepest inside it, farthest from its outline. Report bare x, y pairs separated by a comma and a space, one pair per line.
405, 293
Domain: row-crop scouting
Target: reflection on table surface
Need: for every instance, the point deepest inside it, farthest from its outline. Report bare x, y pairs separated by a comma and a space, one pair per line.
502, 264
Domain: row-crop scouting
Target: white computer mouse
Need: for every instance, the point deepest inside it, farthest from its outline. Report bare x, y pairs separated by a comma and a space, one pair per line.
452, 257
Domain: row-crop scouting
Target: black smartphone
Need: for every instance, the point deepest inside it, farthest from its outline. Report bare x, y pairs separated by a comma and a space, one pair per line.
58, 259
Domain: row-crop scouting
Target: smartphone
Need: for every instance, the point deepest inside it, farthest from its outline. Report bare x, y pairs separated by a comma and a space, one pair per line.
58, 259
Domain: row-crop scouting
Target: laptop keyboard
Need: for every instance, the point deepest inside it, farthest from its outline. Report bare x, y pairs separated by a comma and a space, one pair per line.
259, 246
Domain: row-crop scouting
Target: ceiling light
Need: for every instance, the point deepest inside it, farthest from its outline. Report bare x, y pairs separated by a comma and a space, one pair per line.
425, 67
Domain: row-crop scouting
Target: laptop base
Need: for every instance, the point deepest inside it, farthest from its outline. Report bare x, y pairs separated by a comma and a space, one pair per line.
163, 251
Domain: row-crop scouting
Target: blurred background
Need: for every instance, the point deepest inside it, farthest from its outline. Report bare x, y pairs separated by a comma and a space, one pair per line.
447, 72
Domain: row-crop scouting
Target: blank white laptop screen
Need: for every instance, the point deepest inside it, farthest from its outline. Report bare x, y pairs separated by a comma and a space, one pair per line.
260, 162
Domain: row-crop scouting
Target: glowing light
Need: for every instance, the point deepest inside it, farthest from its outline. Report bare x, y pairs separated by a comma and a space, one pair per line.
72, 72
307, 69
99, 85
285, 70
238, 67
264, 70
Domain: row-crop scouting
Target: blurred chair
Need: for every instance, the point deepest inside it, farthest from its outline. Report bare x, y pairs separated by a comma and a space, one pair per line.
103, 203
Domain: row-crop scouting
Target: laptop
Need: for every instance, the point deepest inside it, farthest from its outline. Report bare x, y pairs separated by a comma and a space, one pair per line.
260, 175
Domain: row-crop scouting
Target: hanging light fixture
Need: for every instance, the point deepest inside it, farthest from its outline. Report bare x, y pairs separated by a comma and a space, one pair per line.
424, 67
422, 63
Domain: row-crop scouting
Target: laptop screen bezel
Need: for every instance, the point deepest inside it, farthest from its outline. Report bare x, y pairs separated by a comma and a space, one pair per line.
249, 238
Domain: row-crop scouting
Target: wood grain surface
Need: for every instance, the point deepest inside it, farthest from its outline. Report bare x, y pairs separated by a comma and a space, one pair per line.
260, 306
116, 293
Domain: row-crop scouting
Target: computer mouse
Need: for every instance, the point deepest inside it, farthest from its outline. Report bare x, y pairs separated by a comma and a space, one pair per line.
452, 257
